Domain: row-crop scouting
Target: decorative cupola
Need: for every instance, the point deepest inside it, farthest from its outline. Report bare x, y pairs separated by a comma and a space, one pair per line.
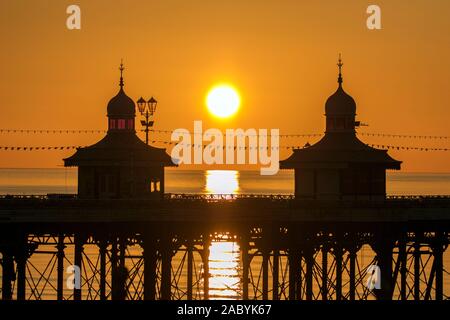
121, 110
120, 166
340, 109
340, 166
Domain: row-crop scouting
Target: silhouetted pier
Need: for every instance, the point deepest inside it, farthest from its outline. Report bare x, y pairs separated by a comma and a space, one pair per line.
304, 249
132, 240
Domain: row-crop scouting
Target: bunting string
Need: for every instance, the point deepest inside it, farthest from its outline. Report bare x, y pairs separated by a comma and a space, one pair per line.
410, 136
49, 131
161, 131
211, 146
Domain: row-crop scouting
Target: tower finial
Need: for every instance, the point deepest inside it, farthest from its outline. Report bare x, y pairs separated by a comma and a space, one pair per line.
340, 64
121, 68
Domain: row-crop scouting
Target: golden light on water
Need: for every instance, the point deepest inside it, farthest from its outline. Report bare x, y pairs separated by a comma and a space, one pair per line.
224, 262
222, 181
223, 101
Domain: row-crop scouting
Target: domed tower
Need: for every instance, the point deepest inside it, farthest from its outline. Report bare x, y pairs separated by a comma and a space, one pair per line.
121, 110
120, 166
340, 109
340, 166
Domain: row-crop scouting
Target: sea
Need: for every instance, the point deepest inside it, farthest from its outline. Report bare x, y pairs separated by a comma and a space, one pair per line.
64, 180
224, 262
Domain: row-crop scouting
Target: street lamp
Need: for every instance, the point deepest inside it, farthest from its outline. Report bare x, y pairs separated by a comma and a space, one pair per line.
147, 109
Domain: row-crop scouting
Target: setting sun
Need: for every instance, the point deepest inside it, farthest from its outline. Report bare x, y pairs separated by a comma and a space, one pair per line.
223, 101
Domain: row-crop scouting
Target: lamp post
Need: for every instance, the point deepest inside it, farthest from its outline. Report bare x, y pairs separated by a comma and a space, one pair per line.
147, 109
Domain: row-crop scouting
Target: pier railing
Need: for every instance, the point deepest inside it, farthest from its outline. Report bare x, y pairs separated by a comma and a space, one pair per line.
244, 200
213, 196
206, 196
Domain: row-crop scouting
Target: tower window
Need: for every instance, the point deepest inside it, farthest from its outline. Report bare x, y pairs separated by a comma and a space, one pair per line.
121, 124
112, 123
130, 124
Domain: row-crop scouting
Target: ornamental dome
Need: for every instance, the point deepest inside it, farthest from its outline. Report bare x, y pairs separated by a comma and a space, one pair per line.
121, 105
340, 103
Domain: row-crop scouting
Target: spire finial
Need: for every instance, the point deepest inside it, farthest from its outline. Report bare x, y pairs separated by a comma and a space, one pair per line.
340, 64
121, 68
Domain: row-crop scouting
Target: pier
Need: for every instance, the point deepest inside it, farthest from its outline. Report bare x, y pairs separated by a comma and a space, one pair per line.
303, 249
130, 239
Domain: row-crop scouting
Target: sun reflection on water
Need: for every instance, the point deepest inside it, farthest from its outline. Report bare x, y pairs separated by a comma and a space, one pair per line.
224, 262
222, 181
224, 256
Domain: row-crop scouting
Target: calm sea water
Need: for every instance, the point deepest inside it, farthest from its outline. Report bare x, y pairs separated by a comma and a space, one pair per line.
224, 262
62, 180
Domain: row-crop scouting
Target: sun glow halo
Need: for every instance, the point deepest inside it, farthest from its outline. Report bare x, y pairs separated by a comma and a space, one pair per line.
223, 101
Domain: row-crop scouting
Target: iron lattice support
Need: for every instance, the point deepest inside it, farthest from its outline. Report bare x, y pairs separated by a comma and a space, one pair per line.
276, 262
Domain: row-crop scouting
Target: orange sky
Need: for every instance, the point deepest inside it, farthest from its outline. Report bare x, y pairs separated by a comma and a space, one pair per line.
281, 55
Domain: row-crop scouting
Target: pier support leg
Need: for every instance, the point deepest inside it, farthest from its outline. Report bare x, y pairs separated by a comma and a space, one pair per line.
21, 261
300, 277
60, 267
294, 259
265, 273
352, 272
205, 258
245, 268
119, 273
102, 252
150, 262
190, 269
78, 260
324, 272
123, 271
8, 275
166, 268
383, 249
439, 268
416, 270
275, 274
309, 259
402, 256
114, 270
338, 257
